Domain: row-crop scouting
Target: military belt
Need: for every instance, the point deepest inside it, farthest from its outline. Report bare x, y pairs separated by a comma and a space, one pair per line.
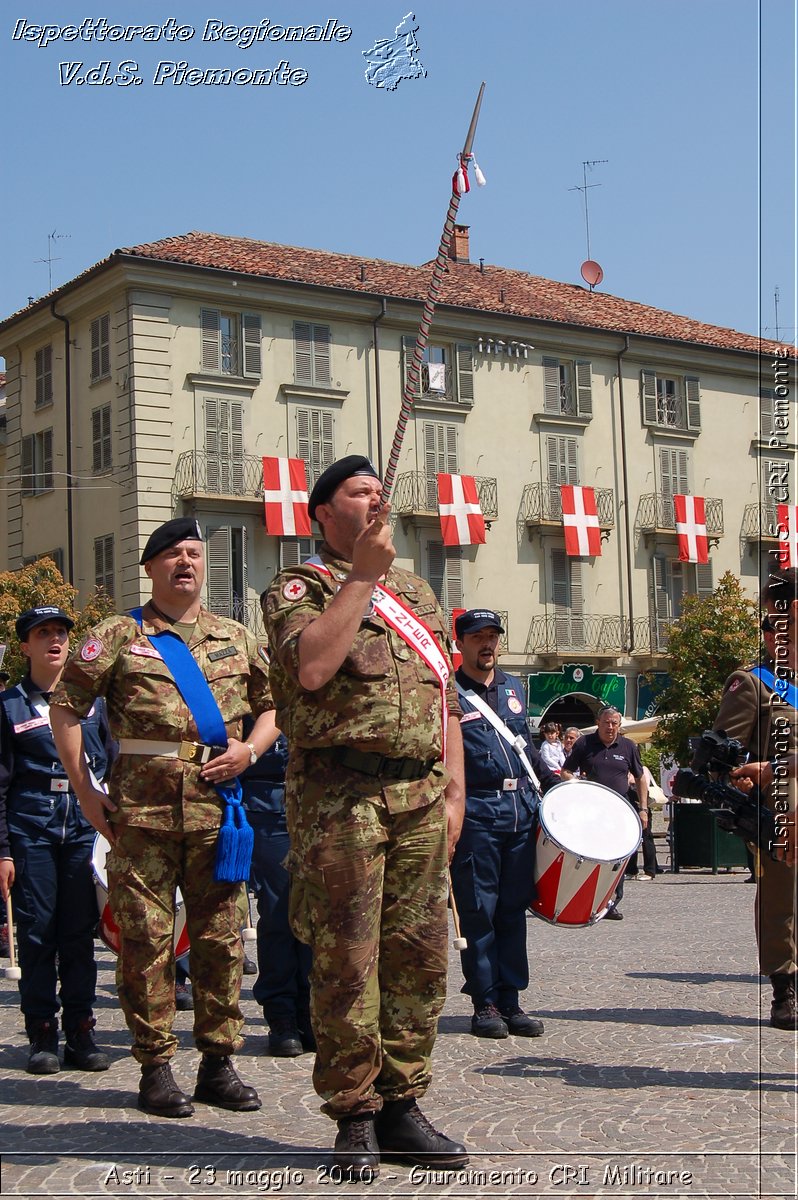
190, 752
381, 766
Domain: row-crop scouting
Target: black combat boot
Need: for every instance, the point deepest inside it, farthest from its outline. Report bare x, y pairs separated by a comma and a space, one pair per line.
521, 1024
405, 1135
487, 1022
81, 1050
43, 1057
160, 1095
356, 1148
783, 1011
285, 1040
218, 1083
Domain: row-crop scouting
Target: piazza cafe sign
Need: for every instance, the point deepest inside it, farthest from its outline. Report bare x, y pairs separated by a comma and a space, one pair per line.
544, 687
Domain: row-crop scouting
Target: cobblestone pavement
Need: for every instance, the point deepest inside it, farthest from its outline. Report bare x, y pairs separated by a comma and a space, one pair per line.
657, 1076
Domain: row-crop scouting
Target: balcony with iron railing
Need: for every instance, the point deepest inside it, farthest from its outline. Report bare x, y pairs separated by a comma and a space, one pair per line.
541, 504
226, 476
567, 632
655, 514
416, 495
247, 612
760, 523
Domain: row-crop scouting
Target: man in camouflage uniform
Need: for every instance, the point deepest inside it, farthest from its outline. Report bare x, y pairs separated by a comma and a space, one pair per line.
765, 720
163, 814
368, 803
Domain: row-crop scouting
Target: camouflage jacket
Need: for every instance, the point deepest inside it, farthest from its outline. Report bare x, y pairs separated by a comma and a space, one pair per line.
116, 660
384, 699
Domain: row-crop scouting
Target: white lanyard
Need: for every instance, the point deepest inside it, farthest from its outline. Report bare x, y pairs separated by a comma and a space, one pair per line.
517, 742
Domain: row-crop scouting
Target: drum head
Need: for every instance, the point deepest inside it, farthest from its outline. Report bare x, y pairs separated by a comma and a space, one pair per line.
98, 856
591, 821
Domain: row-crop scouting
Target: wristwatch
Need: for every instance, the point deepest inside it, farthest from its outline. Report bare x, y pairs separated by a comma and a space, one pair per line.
253, 754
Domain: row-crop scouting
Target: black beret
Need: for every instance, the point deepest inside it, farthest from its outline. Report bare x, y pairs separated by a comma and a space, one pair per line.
329, 480
39, 616
476, 619
169, 534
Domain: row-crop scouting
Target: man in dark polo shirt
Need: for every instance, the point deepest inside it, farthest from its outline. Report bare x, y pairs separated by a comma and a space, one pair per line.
606, 757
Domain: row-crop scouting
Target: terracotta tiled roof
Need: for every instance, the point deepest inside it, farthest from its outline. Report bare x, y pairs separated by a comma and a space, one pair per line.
494, 289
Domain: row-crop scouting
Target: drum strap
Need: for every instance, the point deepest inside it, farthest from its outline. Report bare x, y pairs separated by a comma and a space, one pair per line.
516, 741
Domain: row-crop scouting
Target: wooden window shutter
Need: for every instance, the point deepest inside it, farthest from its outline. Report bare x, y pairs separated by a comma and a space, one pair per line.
289, 552
105, 434
666, 470
47, 460
692, 393
408, 346
211, 425
105, 345
560, 579
648, 389
327, 440
571, 466
766, 412
219, 569
315, 443
437, 570
99, 561
321, 355
584, 388
211, 339
96, 439
575, 582
251, 338
95, 349
551, 385
454, 577
450, 460
465, 377
236, 417
303, 439
303, 352
680, 473
28, 480
703, 579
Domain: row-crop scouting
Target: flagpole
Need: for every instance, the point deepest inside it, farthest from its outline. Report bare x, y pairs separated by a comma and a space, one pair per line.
413, 375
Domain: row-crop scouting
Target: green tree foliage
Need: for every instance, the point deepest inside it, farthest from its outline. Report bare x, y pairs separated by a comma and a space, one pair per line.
714, 636
42, 583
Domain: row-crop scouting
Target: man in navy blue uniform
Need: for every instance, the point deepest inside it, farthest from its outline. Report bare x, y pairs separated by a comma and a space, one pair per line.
45, 852
493, 865
282, 988
608, 758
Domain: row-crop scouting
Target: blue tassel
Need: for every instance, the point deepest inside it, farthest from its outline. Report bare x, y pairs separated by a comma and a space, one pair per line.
236, 840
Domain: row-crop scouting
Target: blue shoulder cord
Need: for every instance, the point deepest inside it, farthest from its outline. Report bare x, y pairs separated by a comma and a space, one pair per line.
236, 839
785, 690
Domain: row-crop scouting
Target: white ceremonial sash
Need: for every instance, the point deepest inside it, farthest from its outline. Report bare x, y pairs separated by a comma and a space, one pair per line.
412, 631
518, 743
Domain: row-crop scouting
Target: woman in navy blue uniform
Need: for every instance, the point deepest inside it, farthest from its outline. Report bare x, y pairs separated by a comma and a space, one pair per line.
45, 853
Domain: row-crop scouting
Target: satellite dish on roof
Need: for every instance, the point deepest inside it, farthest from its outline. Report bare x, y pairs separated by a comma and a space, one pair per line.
591, 272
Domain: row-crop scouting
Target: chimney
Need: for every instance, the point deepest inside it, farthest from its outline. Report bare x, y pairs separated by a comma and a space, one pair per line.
458, 248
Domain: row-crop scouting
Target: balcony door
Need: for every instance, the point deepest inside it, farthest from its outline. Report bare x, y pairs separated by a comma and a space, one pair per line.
224, 446
226, 567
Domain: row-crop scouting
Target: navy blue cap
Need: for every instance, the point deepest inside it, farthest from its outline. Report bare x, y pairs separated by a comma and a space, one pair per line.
169, 534
476, 619
334, 476
39, 616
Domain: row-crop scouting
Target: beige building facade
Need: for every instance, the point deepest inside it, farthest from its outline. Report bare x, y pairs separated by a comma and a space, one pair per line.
154, 384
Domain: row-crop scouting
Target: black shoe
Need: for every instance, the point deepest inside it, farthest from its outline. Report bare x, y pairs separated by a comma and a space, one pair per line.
783, 1011
285, 1040
612, 914
218, 1083
43, 1057
519, 1023
405, 1135
250, 967
81, 1050
160, 1095
488, 1022
356, 1148
184, 1001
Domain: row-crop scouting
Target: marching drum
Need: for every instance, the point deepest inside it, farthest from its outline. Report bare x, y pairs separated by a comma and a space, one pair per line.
108, 930
586, 835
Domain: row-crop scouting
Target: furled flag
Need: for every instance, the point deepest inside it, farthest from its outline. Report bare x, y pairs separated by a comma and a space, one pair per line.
285, 496
580, 521
691, 529
787, 520
462, 522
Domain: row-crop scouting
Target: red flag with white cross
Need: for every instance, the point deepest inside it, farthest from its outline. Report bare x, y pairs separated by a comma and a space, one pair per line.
787, 522
691, 529
580, 521
462, 522
285, 496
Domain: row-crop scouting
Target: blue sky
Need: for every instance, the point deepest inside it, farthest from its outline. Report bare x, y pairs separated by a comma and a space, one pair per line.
695, 211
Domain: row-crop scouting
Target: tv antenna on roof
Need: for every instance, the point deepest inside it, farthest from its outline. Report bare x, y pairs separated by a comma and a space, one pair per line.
51, 239
591, 271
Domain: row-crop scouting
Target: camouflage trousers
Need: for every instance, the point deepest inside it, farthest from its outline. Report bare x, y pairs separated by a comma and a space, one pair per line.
144, 869
368, 895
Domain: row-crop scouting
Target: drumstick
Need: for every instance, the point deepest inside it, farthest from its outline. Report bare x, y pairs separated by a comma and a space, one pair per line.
248, 933
12, 972
459, 943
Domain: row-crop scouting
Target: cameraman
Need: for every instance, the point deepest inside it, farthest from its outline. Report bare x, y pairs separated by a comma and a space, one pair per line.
759, 708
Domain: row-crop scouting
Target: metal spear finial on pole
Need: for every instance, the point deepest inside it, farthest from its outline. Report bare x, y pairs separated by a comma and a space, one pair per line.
414, 370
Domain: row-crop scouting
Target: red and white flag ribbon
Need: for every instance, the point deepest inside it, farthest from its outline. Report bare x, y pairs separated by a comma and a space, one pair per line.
580, 521
691, 529
285, 496
462, 522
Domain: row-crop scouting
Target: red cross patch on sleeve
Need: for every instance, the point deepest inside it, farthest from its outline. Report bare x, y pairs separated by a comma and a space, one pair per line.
295, 589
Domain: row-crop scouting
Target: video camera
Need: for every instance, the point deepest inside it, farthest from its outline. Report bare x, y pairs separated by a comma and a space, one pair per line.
742, 813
